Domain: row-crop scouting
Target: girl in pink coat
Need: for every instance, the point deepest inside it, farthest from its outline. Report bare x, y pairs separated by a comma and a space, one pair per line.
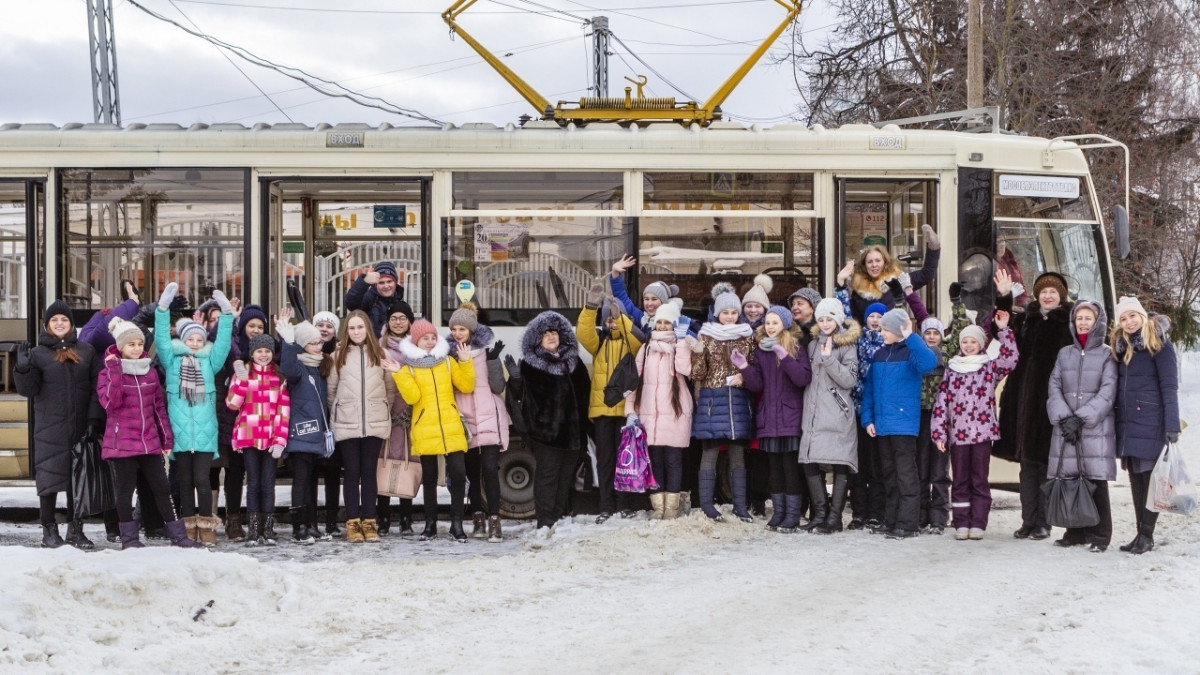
664, 405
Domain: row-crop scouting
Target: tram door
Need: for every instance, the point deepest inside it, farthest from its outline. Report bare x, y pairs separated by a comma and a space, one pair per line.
325, 232
888, 213
22, 220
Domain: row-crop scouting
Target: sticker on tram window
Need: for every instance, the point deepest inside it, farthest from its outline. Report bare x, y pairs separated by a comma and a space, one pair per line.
889, 142
1060, 187
391, 215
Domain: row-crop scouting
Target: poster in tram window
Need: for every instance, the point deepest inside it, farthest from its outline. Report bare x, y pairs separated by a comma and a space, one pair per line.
496, 242
866, 225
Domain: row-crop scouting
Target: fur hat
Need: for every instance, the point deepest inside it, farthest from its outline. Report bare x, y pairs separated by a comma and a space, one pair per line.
875, 308
668, 311
185, 327
832, 308
893, 321
810, 296
933, 323
725, 298
421, 328
56, 308
466, 316
1051, 280
386, 269
261, 341
975, 333
124, 332
784, 314
397, 305
568, 344
758, 292
306, 333
1129, 303
329, 317
661, 290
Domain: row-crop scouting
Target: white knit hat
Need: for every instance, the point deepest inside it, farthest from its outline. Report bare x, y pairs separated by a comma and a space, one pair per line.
758, 293
124, 332
933, 323
1129, 303
668, 311
326, 317
832, 308
975, 333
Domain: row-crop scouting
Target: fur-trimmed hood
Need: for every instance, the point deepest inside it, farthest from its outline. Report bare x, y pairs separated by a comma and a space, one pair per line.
419, 358
568, 345
873, 289
1162, 326
481, 338
846, 335
1096, 335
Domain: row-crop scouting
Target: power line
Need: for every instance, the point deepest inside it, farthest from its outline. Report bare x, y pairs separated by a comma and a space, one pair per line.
326, 87
651, 68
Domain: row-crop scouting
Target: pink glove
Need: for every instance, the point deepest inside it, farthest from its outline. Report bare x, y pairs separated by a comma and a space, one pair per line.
738, 359
780, 352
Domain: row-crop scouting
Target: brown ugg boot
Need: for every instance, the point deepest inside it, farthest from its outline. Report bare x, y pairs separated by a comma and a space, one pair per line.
370, 532
233, 527
354, 531
191, 525
208, 530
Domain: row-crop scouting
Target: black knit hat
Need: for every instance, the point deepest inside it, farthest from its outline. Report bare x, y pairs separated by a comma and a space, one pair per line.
56, 308
397, 305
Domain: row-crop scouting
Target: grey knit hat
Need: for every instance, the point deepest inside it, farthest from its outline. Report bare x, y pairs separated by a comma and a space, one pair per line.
661, 290
262, 341
185, 327
466, 316
725, 298
306, 333
832, 308
812, 297
893, 322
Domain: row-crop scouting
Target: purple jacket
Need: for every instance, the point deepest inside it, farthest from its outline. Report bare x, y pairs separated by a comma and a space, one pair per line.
95, 331
964, 412
781, 406
132, 395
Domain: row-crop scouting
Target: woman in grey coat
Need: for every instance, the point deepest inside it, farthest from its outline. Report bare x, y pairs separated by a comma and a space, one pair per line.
830, 430
1083, 390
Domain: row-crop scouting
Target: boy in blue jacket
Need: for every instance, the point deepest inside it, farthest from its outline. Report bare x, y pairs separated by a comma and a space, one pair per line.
891, 414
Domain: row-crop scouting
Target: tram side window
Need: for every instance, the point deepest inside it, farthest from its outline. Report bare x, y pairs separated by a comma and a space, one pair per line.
1067, 248
152, 226
14, 291
754, 233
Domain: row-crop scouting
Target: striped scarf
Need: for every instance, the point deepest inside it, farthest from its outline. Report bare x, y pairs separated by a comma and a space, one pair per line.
191, 380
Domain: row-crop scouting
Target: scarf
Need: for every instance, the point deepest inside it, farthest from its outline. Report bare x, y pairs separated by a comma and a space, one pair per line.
135, 366
767, 343
310, 360
427, 361
663, 341
723, 333
191, 380
969, 364
561, 362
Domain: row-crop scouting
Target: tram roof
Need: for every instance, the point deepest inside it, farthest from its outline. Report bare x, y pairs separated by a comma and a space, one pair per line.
541, 137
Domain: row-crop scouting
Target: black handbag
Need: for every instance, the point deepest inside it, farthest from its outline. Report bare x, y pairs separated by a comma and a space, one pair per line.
1069, 501
91, 478
624, 379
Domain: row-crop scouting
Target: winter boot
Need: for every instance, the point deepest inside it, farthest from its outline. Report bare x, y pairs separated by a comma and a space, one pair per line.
685, 504
658, 501
495, 536
777, 503
77, 538
233, 527
251, 529
129, 535
383, 512
708, 483
370, 530
191, 525
300, 534
331, 523
791, 514
430, 531
354, 531
479, 525
737, 485
820, 506
50, 536
208, 530
456, 530
837, 503
178, 535
405, 522
268, 524
671, 505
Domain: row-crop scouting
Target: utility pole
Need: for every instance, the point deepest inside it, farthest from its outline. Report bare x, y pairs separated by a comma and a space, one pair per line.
974, 54
106, 102
600, 42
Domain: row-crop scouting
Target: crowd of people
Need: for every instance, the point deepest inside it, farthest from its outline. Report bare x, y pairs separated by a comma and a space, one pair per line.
859, 399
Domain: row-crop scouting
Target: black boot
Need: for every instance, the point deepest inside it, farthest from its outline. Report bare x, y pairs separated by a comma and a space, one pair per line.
791, 515
405, 523
737, 485
300, 533
837, 503
383, 515
251, 529
331, 523
430, 531
129, 535
456, 530
77, 538
820, 507
50, 536
777, 503
708, 483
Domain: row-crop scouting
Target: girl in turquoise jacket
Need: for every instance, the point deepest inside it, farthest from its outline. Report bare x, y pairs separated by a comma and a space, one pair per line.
190, 362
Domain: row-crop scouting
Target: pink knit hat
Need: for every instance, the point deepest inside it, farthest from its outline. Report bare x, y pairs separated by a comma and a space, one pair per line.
421, 328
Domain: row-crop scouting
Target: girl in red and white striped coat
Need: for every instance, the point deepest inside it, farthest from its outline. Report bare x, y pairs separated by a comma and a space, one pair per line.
260, 433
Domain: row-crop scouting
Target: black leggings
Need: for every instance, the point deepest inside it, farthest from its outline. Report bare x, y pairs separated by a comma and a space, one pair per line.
712, 450
260, 480
360, 488
785, 472
814, 470
330, 470
483, 467
46, 504
456, 476
304, 477
235, 479
150, 467
666, 463
195, 495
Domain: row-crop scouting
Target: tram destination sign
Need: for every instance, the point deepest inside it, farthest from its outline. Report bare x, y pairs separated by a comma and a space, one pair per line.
1060, 187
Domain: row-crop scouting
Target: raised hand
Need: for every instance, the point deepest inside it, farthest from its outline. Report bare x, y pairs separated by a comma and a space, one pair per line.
955, 291
1001, 318
23, 360
168, 296
932, 242
844, 274
371, 278
780, 352
463, 352
222, 302
496, 350
738, 359
390, 365
595, 295
1004, 283
198, 317
239, 370
284, 329
285, 314
619, 267
236, 304
827, 348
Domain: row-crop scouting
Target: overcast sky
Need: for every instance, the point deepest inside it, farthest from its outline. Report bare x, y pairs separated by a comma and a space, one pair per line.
399, 51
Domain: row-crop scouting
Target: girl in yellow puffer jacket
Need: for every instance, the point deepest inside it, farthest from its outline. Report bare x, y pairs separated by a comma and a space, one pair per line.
427, 382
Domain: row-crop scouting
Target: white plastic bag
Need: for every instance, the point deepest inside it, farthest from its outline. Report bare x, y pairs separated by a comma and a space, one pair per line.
1171, 491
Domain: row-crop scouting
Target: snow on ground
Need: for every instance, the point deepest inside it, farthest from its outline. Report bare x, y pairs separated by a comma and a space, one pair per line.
678, 596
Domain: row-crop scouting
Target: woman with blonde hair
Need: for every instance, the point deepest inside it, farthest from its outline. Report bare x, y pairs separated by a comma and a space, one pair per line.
876, 275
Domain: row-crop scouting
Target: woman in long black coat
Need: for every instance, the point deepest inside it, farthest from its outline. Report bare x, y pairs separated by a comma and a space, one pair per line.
59, 375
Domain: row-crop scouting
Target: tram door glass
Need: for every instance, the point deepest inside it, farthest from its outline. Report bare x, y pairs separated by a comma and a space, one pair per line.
888, 213
340, 228
531, 241
152, 226
698, 228
15, 290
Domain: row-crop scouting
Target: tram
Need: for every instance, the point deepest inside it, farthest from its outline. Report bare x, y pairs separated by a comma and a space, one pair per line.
529, 214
